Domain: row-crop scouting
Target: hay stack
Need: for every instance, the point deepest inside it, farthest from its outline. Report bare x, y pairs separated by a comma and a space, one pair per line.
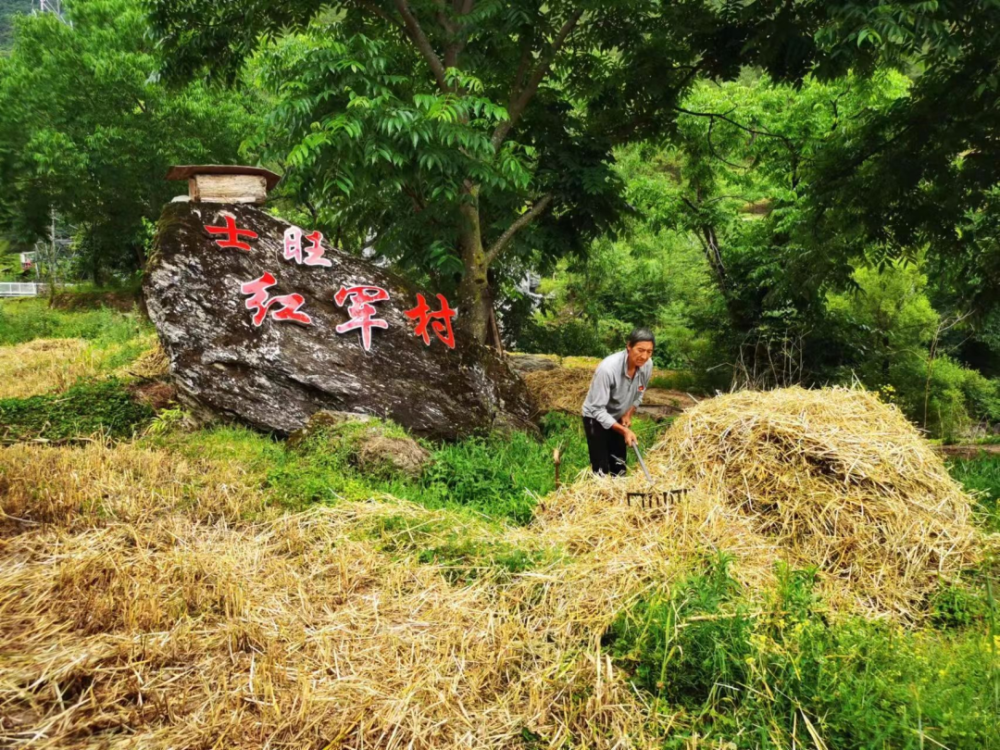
839, 479
562, 389
565, 388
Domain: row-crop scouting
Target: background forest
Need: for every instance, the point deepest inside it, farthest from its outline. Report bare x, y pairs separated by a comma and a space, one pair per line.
786, 194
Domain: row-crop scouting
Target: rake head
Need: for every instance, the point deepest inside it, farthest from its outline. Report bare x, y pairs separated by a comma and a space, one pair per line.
659, 499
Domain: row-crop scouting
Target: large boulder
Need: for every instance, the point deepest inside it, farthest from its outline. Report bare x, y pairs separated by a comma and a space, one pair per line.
274, 375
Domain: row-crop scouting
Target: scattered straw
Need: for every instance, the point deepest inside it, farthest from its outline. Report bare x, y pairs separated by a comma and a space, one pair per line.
52, 365
133, 619
152, 602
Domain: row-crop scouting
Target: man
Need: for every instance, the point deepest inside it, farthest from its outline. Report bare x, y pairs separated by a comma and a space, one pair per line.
615, 392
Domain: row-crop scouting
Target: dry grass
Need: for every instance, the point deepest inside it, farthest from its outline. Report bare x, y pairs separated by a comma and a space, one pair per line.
581, 363
565, 388
44, 366
53, 365
150, 365
133, 616
147, 602
591, 363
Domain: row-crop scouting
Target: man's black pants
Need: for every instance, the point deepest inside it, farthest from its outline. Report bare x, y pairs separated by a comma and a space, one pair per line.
607, 448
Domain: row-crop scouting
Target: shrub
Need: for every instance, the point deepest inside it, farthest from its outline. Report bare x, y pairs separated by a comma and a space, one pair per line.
981, 477
780, 672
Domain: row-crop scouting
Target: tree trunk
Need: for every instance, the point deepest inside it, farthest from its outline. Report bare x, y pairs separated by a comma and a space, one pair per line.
474, 302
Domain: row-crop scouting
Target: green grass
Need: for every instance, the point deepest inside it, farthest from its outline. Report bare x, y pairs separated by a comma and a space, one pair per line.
756, 670
88, 408
458, 550
981, 476
682, 380
499, 476
24, 320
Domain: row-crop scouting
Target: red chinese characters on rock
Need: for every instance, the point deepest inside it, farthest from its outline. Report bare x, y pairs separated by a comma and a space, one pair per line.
233, 234
362, 297
314, 253
439, 322
361, 310
261, 303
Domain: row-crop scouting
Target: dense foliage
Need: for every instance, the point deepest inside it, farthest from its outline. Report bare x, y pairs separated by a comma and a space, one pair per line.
786, 674
722, 259
797, 193
87, 133
469, 137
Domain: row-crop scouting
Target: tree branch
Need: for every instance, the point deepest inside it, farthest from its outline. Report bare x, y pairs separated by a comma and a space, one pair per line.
724, 118
416, 33
372, 8
528, 92
523, 220
522, 69
458, 32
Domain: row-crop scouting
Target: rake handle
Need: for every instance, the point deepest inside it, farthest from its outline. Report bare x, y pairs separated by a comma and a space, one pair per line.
635, 447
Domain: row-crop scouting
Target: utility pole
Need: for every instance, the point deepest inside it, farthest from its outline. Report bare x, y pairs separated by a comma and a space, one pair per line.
49, 6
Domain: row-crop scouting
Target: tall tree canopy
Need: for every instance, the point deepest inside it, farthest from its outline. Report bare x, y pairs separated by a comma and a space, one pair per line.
85, 130
460, 135
925, 173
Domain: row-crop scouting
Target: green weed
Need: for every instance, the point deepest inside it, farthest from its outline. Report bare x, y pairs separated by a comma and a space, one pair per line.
981, 476
85, 409
499, 476
504, 475
959, 604
453, 547
775, 671
681, 380
29, 319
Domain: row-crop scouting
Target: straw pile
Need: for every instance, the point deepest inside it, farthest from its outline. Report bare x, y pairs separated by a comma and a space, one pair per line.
839, 480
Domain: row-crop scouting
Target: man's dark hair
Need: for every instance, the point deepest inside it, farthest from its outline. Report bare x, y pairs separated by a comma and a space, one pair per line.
641, 334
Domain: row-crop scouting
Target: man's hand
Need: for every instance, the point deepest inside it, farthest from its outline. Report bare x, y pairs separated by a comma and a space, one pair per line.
630, 438
627, 420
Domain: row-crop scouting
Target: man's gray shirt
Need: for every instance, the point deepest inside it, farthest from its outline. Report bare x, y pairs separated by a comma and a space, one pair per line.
612, 393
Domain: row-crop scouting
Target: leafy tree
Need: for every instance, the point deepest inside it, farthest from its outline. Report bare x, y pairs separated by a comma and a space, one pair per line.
87, 132
889, 337
460, 136
650, 276
922, 174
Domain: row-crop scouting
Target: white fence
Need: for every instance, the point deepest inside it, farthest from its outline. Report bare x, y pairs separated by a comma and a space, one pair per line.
21, 290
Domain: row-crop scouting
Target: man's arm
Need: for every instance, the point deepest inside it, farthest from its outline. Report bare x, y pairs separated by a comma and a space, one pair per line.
645, 375
598, 396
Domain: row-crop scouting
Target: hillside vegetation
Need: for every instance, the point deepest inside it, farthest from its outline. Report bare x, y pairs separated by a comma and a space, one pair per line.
8, 9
